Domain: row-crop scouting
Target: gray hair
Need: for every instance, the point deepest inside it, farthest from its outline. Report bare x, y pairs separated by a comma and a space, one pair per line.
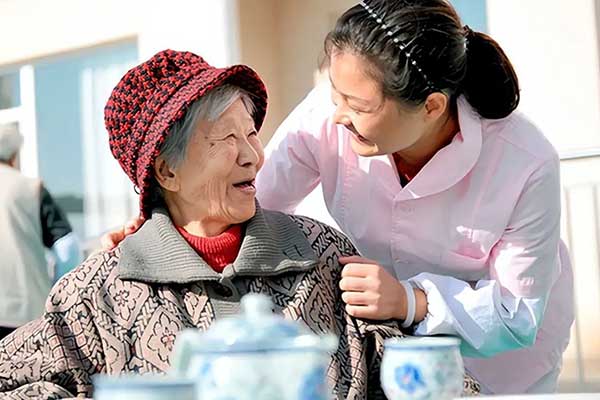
207, 108
11, 141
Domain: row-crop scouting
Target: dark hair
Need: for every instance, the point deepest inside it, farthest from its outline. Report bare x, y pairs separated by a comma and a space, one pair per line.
416, 47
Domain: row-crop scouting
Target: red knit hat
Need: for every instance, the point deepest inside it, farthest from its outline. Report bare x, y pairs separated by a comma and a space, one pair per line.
151, 97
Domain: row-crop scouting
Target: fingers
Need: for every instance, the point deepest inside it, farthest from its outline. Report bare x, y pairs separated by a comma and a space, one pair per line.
359, 298
356, 260
357, 266
360, 270
133, 225
369, 291
364, 312
106, 242
110, 240
129, 228
354, 284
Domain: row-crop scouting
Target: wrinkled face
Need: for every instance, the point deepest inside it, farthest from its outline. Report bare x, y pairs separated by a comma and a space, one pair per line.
378, 125
218, 173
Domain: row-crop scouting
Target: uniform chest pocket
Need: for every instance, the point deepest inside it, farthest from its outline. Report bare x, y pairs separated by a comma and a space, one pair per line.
468, 253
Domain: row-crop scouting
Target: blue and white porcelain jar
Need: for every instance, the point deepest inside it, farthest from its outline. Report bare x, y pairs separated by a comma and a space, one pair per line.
425, 368
256, 356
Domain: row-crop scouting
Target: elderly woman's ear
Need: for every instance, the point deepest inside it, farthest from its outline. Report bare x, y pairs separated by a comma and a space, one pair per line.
166, 177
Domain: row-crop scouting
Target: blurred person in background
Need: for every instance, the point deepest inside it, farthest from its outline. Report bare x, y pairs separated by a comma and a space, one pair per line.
30, 223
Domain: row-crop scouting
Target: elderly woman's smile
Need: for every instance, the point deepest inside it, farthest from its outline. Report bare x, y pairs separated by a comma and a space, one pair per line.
246, 187
213, 187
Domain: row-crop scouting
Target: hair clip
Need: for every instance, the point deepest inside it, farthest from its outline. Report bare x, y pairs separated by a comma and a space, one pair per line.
397, 41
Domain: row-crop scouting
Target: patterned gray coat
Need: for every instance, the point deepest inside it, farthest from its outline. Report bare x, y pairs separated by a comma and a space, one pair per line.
121, 310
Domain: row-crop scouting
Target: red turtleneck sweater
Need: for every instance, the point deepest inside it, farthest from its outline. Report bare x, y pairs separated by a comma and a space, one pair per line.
218, 251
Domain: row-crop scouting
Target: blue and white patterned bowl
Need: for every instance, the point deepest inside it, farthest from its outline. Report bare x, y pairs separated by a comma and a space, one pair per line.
425, 368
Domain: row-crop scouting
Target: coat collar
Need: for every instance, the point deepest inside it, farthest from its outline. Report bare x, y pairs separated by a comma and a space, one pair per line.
273, 244
452, 163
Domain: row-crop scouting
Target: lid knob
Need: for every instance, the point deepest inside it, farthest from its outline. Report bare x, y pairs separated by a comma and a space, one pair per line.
256, 305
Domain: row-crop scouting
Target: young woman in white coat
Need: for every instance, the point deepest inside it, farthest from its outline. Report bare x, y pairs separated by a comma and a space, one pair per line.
450, 195
425, 164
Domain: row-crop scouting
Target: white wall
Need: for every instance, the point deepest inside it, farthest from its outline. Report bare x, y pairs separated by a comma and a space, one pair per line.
206, 27
554, 47
260, 41
36, 28
306, 23
282, 40
302, 28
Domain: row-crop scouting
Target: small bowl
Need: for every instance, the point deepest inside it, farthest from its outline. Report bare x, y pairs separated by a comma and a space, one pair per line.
422, 368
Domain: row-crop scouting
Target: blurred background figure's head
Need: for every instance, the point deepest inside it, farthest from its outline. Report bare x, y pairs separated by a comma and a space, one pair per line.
11, 141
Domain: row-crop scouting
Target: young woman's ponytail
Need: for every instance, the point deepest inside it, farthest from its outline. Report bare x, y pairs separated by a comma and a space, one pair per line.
490, 84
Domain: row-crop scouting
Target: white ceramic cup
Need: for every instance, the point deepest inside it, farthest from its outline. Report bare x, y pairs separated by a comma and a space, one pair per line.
143, 387
424, 368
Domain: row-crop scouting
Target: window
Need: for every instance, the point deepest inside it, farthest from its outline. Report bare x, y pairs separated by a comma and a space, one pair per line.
74, 158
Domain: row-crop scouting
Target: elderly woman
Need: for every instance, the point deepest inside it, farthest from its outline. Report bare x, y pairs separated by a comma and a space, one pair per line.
186, 135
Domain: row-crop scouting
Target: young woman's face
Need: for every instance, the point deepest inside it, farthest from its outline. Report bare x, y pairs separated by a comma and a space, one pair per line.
377, 125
